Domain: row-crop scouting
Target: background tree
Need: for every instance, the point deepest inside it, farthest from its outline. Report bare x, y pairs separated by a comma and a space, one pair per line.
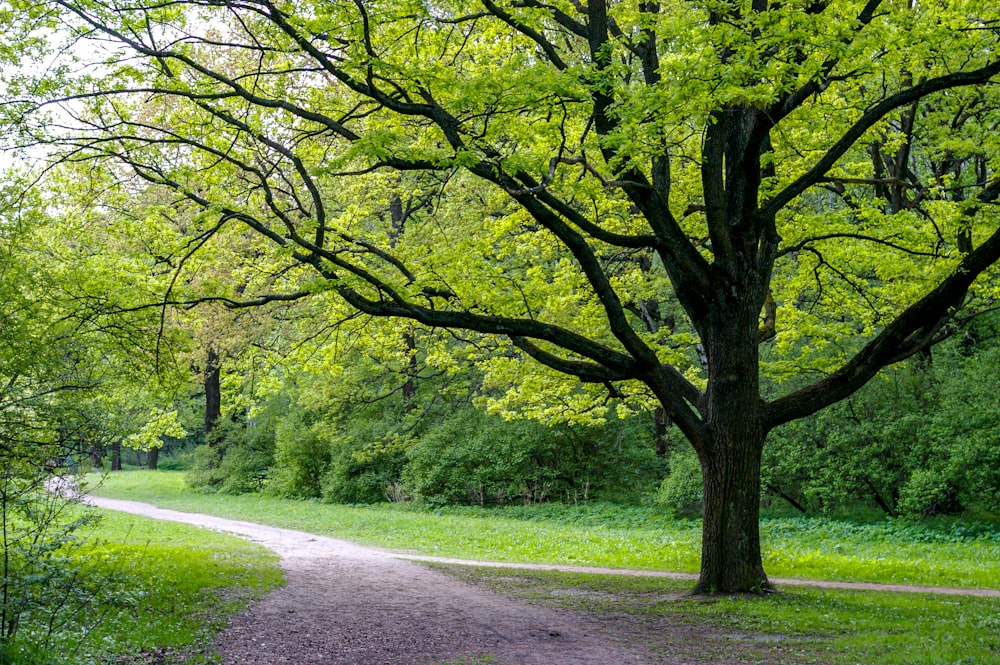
759, 158
44, 368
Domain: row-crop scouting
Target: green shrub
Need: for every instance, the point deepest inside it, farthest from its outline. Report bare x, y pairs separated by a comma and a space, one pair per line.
179, 462
204, 473
300, 459
921, 439
361, 474
48, 584
681, 491
237, 462
366, 457
928, 493
470, 457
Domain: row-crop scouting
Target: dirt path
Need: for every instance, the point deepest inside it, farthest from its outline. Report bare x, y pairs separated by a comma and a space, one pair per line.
345, 604
349, 605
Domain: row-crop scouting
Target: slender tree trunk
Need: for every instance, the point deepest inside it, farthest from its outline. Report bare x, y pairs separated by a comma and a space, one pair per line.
116, 456
661, 425
213, 394
397, 217
410, 386
153, 458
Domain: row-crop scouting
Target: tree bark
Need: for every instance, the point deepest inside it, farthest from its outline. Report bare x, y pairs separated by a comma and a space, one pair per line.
116, 456
410, 385
661, 425
153, 458
213, 394
730, 550
730, 454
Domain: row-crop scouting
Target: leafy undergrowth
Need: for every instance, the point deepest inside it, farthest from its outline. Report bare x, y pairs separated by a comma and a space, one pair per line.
800, 626
607, 535
169, 588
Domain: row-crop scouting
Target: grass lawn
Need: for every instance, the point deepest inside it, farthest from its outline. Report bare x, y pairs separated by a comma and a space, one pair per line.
609, 536
165, 590
800, 625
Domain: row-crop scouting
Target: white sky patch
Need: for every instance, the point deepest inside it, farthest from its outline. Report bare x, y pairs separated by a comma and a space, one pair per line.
81, 51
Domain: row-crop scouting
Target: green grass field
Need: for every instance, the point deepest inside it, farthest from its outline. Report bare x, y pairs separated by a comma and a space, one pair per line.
165, 588
610, 536
800, 625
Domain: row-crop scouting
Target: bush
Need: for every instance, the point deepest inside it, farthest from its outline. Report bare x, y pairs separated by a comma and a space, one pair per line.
300, 459
46, 587
921, 439
237, 462
470, 457
366, 458
180, 462
928, 493
681, 491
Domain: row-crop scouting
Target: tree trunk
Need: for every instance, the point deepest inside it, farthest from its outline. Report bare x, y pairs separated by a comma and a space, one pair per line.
730, 549
116, 456
213, 394
153, 458
661, 425
410, 385
730, 454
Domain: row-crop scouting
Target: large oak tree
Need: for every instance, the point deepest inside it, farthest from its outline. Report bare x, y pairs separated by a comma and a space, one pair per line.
636, 194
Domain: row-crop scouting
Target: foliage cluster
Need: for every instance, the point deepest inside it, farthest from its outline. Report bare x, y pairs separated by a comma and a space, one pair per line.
73, 387
46, 583
441, 451
920, 441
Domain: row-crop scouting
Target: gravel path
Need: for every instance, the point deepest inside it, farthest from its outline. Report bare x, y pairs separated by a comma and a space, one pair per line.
344, 604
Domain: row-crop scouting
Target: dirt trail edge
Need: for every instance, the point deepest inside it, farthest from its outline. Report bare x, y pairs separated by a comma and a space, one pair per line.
344, 604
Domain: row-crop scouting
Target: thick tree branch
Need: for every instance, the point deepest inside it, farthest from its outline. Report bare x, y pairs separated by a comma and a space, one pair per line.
868, 120
911, 331
586, 371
